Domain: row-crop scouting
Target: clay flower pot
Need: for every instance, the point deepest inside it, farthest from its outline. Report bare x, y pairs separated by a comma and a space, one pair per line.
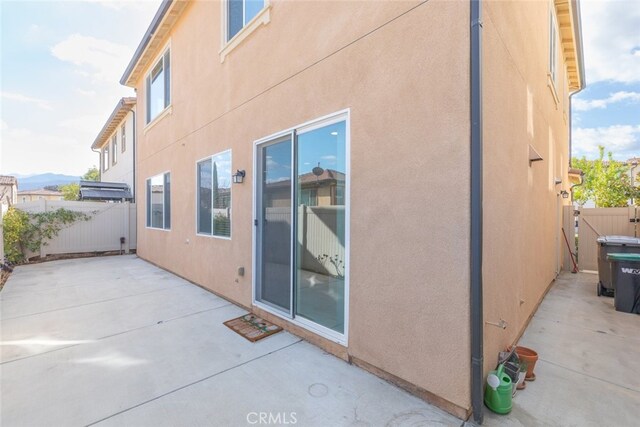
529, 357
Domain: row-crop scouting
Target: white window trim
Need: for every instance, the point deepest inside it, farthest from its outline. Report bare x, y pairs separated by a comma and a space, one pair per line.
262, 18
123, 136
163, 206
108, 161
198, 198
552, 74
322, 331
114, 149
168, 108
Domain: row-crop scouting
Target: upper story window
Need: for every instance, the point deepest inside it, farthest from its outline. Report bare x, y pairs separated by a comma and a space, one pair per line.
239, 13
159, 201
553, 47
105, 158
123, 138
114, 144
158, 84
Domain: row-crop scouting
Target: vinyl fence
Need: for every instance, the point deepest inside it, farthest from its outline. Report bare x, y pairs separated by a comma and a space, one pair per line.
595, 222
108, 223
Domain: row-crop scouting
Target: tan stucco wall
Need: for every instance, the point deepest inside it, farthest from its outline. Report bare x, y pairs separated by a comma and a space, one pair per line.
405, 79
23, 198
522, 208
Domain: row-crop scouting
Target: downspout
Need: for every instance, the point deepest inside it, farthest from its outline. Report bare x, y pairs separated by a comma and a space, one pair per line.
476, 315
99, 163
135, 193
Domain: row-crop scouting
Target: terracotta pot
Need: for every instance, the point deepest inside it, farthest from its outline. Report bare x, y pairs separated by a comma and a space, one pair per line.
530, 357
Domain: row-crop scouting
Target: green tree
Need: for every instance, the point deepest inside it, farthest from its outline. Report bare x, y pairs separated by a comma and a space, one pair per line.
93, 174
605, 182
70, 191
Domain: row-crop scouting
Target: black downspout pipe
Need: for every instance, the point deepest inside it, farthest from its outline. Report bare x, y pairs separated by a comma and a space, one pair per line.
476, 315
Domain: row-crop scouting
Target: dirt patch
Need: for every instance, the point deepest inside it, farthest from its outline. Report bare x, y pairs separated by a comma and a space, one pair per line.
4, 275
37, 260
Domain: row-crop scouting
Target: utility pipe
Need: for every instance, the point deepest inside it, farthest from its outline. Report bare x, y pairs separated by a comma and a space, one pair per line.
476, 314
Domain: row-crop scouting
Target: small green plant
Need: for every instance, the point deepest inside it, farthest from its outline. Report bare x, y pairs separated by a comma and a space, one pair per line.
28, 232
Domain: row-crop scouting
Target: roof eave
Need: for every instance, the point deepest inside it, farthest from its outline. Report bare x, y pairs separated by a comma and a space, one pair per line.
123, 106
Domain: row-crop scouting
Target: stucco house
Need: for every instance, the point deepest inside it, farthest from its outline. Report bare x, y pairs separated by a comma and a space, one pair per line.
116, 145
8, 190
427, 119
38, 194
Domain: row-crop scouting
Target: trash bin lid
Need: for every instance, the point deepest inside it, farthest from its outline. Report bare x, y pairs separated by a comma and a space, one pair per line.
624, 257
619, 240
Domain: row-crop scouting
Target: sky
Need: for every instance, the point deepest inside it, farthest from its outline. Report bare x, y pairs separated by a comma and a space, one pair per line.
61, 62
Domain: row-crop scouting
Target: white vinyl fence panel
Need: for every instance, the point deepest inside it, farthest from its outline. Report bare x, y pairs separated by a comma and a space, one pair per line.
107, 224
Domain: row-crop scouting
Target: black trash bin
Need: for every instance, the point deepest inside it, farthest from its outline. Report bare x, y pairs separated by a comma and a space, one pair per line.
607, 245
626, 280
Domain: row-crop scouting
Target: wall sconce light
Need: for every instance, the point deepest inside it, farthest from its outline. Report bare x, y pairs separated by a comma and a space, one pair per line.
238, 177
564, 194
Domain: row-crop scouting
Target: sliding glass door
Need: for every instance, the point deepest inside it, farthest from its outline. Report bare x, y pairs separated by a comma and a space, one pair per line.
302, 225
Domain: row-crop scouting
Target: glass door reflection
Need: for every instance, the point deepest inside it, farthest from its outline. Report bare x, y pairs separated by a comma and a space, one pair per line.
320, 226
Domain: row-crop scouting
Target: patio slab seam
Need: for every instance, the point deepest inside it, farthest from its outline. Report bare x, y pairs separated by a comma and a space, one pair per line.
192, 384
589, 376
160, 322
90, 303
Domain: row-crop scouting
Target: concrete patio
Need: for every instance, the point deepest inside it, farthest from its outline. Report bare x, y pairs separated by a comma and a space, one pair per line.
588, 372
117, 341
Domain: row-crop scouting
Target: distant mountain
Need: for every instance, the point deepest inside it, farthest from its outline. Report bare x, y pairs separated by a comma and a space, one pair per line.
35, 182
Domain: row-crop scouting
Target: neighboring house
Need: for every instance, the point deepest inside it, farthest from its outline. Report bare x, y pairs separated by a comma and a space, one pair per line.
41, 194
116, 144
8, 190
371, 257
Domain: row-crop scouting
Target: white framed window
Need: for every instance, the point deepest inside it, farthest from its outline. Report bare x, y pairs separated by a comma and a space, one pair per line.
114, 148
158, 86
105, 158
239, 13
123, 137
553, 46
159, 201
214, 195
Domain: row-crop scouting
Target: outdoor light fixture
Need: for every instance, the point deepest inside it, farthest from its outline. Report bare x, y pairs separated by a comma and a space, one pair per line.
238, 177
564, 194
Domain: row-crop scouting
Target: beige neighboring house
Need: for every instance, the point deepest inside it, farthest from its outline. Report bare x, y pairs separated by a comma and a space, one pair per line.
8, 190
41, 194
317, 163
116, 144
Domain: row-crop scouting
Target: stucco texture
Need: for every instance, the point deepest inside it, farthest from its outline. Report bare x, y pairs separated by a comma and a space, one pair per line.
522, 205
402, 69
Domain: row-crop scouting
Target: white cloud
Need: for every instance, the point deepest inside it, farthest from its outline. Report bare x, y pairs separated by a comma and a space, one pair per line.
101, 59
622, 140
89, 124
590, 104
84, 92
611, 40
3, 125
40, 103
26, 151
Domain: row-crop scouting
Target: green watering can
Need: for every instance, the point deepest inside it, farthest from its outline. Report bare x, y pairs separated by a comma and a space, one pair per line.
497, 395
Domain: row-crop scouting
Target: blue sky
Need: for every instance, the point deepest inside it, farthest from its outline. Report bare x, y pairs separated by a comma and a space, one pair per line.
61, 62
607, 112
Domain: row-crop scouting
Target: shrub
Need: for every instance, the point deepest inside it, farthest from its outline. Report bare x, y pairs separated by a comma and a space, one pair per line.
27, 232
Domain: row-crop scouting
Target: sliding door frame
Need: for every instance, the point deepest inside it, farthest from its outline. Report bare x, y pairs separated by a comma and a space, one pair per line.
330, 334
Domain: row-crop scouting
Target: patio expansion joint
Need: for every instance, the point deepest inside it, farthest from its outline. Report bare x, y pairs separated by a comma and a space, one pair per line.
578, 326
159, 322
208, 377
91, 303
589, 375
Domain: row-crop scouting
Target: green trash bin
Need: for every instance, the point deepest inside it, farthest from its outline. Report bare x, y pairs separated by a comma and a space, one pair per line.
625, 269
